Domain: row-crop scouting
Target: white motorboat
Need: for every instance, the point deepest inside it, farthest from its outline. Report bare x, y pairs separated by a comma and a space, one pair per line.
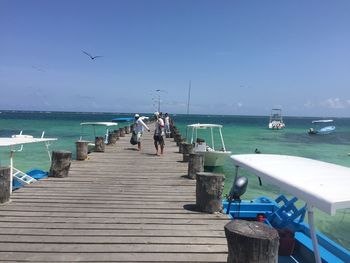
107, 125
320, 185
276, 120
20, 140
322, 127
213, 156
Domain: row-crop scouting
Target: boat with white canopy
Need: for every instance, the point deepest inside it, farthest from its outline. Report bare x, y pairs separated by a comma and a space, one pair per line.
322, 127
214, 155
276, 120
94, 125
20, 140
320, 185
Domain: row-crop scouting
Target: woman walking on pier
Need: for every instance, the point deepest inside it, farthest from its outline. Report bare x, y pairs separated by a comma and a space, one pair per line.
159, 133
140, 126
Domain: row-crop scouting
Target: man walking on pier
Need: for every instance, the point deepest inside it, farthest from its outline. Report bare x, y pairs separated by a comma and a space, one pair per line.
140, 126
159, 133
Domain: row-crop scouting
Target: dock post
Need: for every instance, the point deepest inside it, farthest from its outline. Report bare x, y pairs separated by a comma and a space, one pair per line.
99, 144
5, 184
209, 188
179, 140
195, 164
127, 129
180, 147
81, 150
117, 132
112, 138
187, 148
60, 163
251, 241
121, 132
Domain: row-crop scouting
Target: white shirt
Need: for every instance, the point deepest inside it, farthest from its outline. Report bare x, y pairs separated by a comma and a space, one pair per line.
167, 120
140, 125
159, 127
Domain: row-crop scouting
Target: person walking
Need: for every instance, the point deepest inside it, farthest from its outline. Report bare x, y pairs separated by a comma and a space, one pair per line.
167, 125
140, 126
159, 133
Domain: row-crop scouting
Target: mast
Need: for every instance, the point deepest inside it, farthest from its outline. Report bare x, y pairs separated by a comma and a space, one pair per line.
188, 108
188, 99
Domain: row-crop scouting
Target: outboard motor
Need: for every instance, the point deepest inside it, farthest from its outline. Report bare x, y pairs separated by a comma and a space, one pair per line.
238, 188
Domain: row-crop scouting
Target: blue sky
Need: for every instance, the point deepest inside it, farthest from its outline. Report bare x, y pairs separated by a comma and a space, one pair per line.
242, 57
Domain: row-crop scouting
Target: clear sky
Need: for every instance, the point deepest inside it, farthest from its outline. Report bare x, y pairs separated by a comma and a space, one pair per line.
241, 56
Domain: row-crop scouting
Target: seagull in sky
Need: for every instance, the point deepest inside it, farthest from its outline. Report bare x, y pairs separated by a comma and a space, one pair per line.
92, 57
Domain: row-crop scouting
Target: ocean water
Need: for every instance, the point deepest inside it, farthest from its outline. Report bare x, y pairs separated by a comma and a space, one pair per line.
242, 134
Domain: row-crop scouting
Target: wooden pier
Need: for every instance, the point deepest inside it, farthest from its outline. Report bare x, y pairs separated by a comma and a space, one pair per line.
118, 206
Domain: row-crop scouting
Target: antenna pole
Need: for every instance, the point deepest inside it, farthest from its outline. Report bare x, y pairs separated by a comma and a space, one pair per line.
188, 99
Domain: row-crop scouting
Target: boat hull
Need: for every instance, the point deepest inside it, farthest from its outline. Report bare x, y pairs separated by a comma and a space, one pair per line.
263, 208
276, 126
215, 158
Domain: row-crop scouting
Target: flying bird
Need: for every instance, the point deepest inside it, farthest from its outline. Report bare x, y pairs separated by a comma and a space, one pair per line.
92, 57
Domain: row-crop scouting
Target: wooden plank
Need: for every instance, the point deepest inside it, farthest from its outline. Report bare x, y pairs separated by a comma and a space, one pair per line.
112, 257
112, 240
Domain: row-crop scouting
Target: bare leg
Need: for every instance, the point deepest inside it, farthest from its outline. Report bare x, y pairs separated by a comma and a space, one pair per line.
156, 145
139, 146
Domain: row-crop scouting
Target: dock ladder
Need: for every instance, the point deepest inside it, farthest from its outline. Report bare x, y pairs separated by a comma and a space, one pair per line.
22, 177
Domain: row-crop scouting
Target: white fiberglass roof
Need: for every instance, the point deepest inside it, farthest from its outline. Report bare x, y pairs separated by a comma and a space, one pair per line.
321, 121
99, 123
204, 126
23, 139
319, 184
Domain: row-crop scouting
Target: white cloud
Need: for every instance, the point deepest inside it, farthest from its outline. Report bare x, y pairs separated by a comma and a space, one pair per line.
335, 103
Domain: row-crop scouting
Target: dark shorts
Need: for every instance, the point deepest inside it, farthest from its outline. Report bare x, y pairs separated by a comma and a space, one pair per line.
158, 139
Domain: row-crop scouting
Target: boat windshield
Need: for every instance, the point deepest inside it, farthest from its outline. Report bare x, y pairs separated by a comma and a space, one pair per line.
210, 134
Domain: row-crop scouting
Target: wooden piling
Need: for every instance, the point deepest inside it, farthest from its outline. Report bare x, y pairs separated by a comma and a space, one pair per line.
99, 144
117, 132
251, 242
209, 188
60, 163
112, 138
127, 129
195, 164
81, 150
121, 132
5, 183
187, 148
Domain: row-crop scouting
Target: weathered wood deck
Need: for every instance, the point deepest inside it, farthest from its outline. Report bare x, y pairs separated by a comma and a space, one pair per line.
118, 206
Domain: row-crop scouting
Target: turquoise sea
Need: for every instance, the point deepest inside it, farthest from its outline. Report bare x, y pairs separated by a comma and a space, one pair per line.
242, 134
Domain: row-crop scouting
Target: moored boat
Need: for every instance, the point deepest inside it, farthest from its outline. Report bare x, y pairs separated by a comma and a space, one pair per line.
105, 125
19, 178
322, 127
276, 120
213, 156
319, 184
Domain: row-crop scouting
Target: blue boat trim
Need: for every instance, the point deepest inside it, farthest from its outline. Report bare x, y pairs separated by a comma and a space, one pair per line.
35, 173
282, 213
123, 119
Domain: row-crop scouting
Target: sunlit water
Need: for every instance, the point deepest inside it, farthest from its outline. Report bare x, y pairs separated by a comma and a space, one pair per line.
242, 134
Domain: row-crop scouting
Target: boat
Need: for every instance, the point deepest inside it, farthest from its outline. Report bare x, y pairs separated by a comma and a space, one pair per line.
319, 184
213, 156
322, 127
123, 119
36, 174
276, 119
19, 178
106, 125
